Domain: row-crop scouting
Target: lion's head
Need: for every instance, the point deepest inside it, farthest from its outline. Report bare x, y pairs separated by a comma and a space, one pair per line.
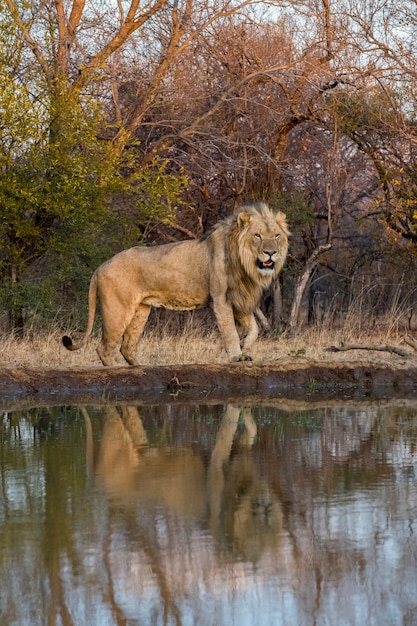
252, 517
260, 238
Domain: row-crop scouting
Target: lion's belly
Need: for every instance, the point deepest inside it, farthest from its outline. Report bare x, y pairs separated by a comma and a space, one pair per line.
175, 301
178, 305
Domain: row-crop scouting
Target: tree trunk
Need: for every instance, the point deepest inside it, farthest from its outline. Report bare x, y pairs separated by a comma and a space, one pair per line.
15, 313
277, 306
302, 282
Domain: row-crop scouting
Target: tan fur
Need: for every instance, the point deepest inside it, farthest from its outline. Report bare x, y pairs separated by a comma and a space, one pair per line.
223, 269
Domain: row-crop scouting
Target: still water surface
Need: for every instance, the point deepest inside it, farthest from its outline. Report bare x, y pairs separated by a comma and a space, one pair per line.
209, 515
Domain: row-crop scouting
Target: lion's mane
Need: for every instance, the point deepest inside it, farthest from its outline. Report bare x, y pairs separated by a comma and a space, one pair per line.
246, 282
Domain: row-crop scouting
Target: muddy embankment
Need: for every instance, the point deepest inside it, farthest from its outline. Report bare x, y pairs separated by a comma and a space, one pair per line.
297, 378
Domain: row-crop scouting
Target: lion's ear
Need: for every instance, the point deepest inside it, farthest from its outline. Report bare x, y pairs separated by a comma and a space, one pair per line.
243, 219
281, 220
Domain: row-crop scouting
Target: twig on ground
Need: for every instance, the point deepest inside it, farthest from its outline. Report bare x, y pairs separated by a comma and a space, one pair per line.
354, 346
411, 342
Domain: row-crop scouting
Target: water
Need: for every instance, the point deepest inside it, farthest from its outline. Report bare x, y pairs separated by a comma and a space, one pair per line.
190, 515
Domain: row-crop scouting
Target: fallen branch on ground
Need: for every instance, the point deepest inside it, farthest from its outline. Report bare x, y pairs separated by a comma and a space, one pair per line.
411, 342
354, 346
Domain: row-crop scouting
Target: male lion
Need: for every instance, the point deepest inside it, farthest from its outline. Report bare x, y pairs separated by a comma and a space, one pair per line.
227, 269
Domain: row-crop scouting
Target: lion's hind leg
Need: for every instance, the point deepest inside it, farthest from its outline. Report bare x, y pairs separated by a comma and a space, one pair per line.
113, 327
133, 333
107, 351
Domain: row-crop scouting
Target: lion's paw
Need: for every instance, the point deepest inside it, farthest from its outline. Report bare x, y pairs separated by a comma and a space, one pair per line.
245, 357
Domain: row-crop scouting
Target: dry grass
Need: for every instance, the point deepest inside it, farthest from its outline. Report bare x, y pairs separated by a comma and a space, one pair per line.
201, 345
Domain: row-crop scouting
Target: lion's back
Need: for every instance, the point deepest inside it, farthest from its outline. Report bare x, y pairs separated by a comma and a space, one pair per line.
174, 276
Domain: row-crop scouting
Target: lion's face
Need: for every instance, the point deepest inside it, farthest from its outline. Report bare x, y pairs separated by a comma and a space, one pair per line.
264, 241
266, 245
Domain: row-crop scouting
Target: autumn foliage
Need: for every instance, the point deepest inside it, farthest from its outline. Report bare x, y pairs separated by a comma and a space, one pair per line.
124, 123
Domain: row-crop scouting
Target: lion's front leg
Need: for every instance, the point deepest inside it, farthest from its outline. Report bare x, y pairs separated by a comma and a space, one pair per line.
226, 323
248, 322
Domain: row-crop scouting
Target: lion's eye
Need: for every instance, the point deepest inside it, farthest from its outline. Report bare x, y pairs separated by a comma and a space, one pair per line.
258, 236
277, 236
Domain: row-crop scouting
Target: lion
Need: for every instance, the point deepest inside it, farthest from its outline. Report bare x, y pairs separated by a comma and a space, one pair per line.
227, 268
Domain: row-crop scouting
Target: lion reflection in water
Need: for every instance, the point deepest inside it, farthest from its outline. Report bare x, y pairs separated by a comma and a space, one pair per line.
244, 511
240, 508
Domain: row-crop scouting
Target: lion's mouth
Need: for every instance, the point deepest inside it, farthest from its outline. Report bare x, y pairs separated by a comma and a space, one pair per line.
265, 265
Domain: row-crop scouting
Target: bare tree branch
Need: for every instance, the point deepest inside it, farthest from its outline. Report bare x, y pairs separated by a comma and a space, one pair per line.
33, 45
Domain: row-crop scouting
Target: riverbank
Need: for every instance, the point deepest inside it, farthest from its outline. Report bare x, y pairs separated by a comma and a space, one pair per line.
294, 378
192, 366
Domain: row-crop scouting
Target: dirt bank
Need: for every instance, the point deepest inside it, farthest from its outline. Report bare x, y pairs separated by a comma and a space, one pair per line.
294, 378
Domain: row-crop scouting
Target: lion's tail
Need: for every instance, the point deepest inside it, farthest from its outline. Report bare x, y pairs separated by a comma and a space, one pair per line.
92, 303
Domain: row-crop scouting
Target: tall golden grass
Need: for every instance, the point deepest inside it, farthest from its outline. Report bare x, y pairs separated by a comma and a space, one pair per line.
200, 344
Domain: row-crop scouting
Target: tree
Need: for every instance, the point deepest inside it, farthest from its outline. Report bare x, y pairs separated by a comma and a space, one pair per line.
53, 205
58, 176
272, 86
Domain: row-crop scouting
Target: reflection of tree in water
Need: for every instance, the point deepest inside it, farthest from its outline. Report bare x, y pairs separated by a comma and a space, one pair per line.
37, 495
340, 501
186, 495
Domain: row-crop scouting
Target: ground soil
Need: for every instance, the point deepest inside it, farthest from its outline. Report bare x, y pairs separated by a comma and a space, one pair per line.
293, 378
